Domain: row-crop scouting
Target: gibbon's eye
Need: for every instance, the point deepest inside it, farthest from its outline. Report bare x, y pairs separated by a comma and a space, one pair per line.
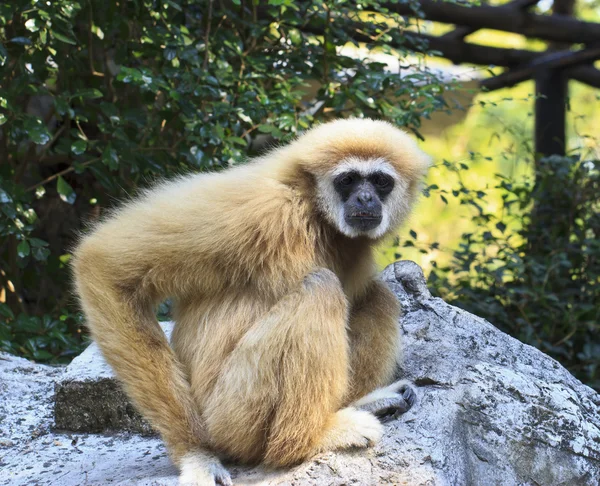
382, 181
344, 183
347, 180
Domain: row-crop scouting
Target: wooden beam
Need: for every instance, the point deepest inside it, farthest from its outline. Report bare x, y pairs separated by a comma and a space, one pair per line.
586, 74
463, 52
558, 28
460, 52
551, 60
550, 112
460, 32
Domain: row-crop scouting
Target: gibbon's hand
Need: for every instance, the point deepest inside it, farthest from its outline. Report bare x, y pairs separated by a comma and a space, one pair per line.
390, 407
202, 469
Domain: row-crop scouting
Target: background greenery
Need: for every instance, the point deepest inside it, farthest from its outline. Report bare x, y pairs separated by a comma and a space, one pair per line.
98, 99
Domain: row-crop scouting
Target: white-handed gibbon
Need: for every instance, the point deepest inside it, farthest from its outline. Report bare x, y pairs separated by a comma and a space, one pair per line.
282, 329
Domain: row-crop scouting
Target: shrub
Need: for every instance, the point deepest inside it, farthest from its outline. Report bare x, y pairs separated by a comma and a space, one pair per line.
97, 99
540, 283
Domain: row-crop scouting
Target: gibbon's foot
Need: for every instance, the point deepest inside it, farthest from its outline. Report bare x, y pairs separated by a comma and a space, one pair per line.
390, 402
388, 409
352, 428
202, 469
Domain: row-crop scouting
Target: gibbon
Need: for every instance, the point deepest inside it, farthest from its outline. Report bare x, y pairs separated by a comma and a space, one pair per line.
282, 329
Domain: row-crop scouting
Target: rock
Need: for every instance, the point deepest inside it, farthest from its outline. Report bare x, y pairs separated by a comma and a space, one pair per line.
491, 411
88, 398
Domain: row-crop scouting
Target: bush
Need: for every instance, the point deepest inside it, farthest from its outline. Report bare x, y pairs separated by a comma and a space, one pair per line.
98, 99
540, 282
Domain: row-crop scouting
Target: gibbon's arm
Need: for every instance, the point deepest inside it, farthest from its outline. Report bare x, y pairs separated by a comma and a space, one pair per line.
168, 243
115, 268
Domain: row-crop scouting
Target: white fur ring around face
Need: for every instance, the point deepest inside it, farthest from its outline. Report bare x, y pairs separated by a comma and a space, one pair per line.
202, 469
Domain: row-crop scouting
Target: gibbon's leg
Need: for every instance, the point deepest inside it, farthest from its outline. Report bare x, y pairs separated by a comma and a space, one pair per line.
136, 348
374, 353
280, 390
374, 338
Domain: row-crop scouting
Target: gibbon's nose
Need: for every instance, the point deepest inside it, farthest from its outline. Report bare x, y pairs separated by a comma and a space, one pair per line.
364, 197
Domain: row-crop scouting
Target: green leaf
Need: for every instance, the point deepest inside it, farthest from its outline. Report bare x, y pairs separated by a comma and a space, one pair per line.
3, 55
65, 191
41, 355
90, 93
110, 157
79, 147
24, 41
6, 312
32, 26
237, 140
30, 215
4, 197
266, 128
9, 210
173, 4
23, 249
244, 117
37, 131
41, 254
169, 54
36, 242
62, 106
63, 38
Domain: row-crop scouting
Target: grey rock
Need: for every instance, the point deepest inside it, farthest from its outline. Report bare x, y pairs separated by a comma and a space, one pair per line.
490, 411
88, 397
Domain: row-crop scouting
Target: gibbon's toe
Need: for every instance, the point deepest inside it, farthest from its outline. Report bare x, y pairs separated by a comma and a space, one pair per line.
203, 470
369, 429
390, 408
351, 428
390, 402
363, 429
410, 396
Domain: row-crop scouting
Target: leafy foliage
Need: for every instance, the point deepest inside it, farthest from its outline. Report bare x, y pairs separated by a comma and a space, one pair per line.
97, 99
541, 281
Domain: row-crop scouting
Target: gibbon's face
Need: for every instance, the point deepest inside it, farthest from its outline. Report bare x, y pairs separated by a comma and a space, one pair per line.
362, 197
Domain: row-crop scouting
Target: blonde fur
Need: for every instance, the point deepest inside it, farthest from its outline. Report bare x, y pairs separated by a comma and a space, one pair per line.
280, 322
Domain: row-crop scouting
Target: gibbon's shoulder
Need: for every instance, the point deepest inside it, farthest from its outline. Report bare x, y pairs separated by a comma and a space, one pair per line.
239, 196
239, 182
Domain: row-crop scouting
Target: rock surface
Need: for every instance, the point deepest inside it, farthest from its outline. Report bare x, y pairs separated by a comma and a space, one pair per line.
88, 398
491, 411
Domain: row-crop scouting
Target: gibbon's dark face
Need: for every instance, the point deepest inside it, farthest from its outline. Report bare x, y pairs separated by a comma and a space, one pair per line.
363, 197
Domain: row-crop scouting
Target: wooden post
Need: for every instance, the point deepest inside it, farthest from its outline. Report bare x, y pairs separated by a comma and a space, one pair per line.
550, 112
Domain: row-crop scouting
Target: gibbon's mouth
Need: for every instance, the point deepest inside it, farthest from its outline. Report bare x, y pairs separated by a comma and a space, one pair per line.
363, 221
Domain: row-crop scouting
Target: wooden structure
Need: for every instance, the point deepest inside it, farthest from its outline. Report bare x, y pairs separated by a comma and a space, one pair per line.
573, 46
551, 69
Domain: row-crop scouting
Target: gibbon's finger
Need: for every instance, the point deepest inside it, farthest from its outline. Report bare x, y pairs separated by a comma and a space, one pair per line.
409, 395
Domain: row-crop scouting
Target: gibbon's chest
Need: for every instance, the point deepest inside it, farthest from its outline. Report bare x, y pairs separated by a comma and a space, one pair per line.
355, 269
